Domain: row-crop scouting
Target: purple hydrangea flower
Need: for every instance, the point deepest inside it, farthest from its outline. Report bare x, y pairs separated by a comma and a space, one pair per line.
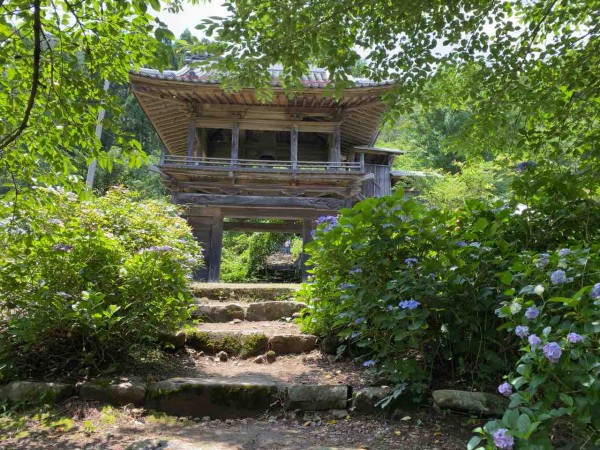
595, 292
347, 286
369, 363
503, 440
574, 338
355, 270
359, 320
461, 244
522, 331
534, 341
532, 313
558, 277
390, 308
543, 260
505, 389
409, 304
328, 221
410, 262
552, 351
564, 252
62, 247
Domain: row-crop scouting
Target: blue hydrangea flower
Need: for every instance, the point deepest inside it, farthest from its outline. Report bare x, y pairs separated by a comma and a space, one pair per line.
595, 292
552, 351
503, 440
461, 244
532, 313
355, 334
543, 260
524, 165
355, 270
410, 262
564, 252
574, 338
534, 341
369, 363
409, 304
558, 277
522, 331
359, 320
390, 308
347, 286
329, 222
505, 389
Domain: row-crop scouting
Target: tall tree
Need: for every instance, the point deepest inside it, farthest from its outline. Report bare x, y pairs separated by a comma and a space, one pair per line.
56, 55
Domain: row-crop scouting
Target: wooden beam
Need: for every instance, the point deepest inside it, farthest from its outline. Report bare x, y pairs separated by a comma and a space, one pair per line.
241, 212
294, 147
251, 227
267, 125
191, 138
202, 139
260, 201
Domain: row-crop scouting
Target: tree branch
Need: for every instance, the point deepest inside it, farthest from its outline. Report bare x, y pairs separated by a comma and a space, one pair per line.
35, 82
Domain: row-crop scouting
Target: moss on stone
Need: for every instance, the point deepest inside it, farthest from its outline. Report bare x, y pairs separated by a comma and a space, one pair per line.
254, 344
241, 396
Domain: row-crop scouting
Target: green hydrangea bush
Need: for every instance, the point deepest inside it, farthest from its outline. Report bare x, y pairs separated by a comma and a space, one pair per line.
425, 296
84, 281
554, 389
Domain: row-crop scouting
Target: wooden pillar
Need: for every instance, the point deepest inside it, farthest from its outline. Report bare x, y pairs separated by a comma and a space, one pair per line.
203, 140
161, 161
362, 162
307, 227
336, 145
216, 244
294, 147
191, 140
235, 143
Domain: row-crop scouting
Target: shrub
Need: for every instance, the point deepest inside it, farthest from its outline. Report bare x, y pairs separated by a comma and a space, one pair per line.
81, 281
554, 389
412, 291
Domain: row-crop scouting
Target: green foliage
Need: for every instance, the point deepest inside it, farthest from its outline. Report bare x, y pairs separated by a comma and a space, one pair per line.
244, 254
555, 380
84, 280
55, 58
364, 270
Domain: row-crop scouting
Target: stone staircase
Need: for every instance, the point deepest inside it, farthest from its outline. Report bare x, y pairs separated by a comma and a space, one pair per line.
256, 360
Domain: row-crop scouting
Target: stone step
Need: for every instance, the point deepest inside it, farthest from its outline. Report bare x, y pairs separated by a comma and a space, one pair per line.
245, 292
214, 311
250, 338
231, 398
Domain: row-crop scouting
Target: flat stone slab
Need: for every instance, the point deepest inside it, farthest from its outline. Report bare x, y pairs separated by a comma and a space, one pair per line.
316, 397
217, 398
229, 398
272, 310
365, 400
286, 344
473, 402
218, 312
212, 311
36, 392
114, 392
245, 292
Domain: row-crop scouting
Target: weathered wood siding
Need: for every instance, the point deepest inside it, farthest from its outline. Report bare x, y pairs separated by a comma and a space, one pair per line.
381, 185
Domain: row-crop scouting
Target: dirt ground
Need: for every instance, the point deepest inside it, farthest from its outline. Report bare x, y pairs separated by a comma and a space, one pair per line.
86, 425
308, 368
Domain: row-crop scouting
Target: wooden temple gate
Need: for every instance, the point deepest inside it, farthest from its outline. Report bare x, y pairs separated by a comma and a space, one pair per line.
230, 155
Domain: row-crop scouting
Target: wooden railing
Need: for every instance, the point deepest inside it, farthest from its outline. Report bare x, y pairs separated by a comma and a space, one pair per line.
253, 165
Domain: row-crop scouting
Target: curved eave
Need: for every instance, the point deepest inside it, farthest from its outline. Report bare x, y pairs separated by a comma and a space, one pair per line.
170, 103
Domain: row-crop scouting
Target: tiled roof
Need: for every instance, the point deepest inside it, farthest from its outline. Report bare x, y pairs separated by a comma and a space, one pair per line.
316, 77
